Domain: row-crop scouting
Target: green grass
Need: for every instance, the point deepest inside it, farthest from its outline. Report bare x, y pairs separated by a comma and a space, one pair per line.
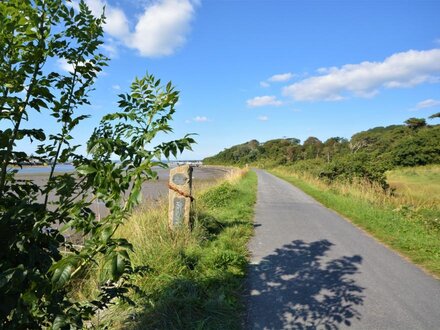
196, 277
397, 228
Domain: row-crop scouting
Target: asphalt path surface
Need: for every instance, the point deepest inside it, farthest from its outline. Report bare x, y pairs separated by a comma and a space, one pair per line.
311, 269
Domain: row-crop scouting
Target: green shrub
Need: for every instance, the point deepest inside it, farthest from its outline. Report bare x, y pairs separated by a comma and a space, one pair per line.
356, 166
310, 166
220, 196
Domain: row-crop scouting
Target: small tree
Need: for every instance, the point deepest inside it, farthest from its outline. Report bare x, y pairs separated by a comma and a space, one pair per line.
35, 273
415, 123
312, 147
435, 115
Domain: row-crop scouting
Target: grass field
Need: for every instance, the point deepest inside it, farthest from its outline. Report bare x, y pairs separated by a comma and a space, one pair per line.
419, 185
407, 221
195, 278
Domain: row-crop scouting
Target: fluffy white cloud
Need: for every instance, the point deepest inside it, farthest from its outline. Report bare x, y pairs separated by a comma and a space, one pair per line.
159, 31
281, 77
263, 118
116, 22
200, 119
261, 101
116, 87
400, 70
264, 84
429, 103
162, 28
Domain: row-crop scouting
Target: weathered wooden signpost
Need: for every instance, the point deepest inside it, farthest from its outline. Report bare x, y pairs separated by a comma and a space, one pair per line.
180, 198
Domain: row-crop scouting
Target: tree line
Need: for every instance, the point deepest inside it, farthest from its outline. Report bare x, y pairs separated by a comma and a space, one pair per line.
368, 154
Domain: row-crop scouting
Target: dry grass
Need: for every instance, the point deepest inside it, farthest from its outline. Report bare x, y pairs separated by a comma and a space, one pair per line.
235, 174
418, 187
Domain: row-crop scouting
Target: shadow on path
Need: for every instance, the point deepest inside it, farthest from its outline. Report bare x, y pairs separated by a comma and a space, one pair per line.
298, 287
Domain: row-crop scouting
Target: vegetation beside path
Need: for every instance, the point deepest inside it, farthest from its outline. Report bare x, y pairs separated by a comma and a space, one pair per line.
407, 220
194, 279
385, 179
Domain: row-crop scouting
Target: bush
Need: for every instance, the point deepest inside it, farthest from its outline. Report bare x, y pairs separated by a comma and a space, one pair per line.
356, 166
311, 166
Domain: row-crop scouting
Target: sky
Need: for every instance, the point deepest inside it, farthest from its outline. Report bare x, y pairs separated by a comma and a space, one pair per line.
272, 69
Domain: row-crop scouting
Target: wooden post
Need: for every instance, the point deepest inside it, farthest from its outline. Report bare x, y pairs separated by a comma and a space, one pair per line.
180, 198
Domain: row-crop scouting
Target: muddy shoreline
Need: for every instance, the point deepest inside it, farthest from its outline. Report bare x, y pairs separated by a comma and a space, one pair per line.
152, 191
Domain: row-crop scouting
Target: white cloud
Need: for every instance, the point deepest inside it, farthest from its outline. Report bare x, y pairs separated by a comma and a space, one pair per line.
116, 87
201, 119
63, 65
110, 48
277, 78
159, 31
400, 70
163, 27
263, 118
281, 77
69, 67
261, 101
116, 22
429, 103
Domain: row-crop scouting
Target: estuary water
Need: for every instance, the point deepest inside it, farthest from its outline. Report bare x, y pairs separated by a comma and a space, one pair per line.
152, 190
61, 168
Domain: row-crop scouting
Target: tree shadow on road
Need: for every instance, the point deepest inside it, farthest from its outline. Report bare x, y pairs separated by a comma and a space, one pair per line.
297, 287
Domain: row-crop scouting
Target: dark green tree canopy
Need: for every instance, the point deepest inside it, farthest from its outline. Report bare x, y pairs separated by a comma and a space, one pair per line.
435, 115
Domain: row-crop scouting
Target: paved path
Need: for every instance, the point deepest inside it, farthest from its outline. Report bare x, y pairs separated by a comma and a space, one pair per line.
311, 269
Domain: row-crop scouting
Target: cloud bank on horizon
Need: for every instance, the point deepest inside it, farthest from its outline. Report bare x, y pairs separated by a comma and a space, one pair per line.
160, 30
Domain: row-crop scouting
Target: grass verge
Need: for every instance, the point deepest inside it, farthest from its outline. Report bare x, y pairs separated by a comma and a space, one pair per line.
409, 235
196, 276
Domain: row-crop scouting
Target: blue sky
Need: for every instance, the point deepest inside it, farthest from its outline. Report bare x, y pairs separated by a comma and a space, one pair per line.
271, 69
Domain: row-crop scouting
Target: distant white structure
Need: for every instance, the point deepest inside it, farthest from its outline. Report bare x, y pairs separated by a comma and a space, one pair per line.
194, 163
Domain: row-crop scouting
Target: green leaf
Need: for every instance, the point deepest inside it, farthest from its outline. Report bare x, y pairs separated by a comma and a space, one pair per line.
59, 322
136, 193
118, 265
85, 169
106, 233
62, 270
115, 265
62, 275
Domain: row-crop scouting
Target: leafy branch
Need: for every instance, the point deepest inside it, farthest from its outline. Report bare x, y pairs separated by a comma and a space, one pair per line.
36, 275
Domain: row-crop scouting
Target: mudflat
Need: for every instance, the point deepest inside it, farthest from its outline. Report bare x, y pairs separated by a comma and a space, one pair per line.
152, 191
